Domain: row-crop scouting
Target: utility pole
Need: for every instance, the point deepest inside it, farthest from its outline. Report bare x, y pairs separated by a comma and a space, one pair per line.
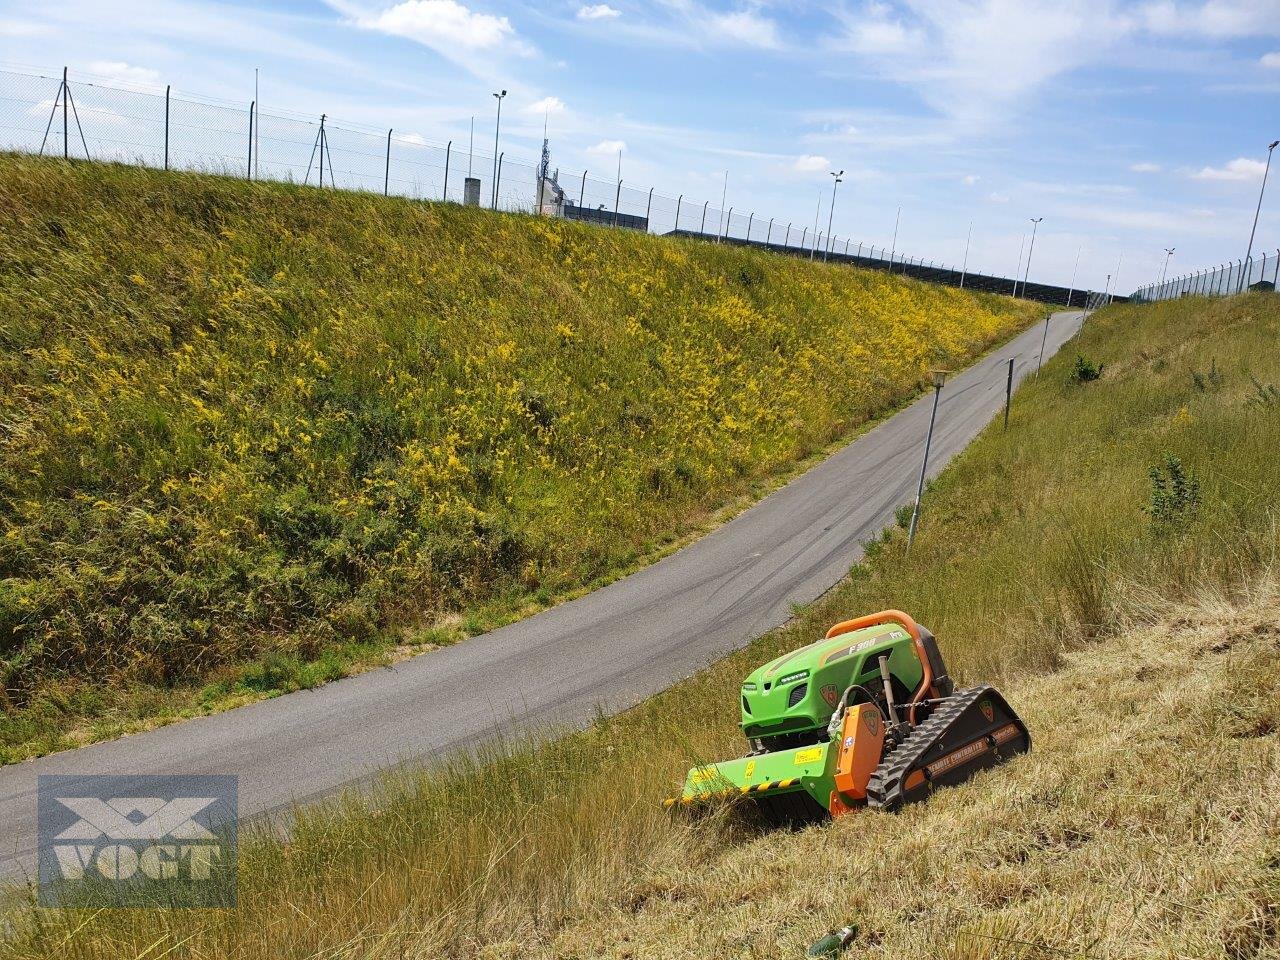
939, 377
496, 127
832, 212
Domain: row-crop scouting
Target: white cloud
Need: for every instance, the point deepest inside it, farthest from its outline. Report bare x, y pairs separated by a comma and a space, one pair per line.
746, 27
21, 28
974, 59
598, 11
811, 163
608, 147
997, 198
547, 105
1271, 60
1220, 19
1145, 167
1239, 170
417, 139
971, 179
117, 71
445, 26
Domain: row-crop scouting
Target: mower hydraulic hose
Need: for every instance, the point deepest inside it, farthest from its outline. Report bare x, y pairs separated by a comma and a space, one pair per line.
888, 689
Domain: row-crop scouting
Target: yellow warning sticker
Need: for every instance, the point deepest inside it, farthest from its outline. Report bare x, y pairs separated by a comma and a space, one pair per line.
701, 774
808, 756
750, 768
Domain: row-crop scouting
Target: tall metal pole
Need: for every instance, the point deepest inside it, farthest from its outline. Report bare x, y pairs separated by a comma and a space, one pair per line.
965, 268
386, 174
1261, 191
816, 214
1043, 340
1017, 270
66, 95
1164, 271
832, 212
1035, 222
166, 126
471, 146
257, 130
497, 125
723, 196
248, 173
938, 379
498, 179
894, 249
1076, 269
448, 154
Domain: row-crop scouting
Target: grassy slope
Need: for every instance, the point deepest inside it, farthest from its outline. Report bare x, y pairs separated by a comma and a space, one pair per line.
1036, 555
252, 434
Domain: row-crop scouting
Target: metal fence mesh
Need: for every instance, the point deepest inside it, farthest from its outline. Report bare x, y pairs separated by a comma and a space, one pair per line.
80, 119
1261, 272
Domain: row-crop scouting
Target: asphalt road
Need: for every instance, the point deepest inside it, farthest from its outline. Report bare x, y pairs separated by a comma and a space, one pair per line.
606, 650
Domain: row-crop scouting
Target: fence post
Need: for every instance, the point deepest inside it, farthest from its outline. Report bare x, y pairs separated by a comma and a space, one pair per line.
787, 243
248, 174
617, 197
679, 200
702, 227
166, 126
727, 221
582, 192
448, 154
768, 237
648, 209
803, 233
386, 175
66, 95
1275, 280
749, 220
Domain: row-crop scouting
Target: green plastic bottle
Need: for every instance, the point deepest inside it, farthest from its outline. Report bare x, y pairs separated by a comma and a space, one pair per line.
833, 943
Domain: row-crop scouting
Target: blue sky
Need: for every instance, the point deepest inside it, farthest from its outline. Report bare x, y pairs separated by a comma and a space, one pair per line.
1129, 127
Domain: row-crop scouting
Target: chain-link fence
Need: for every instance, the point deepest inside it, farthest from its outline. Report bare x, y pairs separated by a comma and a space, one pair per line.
78, 119
1250, 273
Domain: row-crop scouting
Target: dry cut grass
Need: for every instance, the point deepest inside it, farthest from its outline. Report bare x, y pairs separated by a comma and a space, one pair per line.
1144, 824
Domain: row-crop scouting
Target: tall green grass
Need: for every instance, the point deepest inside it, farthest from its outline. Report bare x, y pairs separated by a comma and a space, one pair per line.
253, 433
1033, 543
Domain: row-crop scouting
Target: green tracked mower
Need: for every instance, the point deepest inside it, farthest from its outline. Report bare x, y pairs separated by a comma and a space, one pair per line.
865, 717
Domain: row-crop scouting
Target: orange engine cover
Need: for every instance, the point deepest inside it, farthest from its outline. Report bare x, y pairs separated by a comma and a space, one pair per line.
861, 745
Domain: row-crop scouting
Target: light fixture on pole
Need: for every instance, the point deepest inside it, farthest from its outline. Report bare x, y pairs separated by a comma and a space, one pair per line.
832, 212
1168, 254
496, 127
1035, 222
1265, 171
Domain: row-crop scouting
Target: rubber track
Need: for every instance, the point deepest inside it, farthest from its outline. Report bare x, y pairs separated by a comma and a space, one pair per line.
884, 789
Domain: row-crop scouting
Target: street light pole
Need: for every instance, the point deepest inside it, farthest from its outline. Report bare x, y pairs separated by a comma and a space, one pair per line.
832, 212
1035, 223
965, 269
1168, 255
894, 249
1265, 171
496, 127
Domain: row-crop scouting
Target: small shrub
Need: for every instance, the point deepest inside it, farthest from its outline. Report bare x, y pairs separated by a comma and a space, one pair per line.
1084, 370
902, 516
1264, 396
1205, 382
1175, 495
